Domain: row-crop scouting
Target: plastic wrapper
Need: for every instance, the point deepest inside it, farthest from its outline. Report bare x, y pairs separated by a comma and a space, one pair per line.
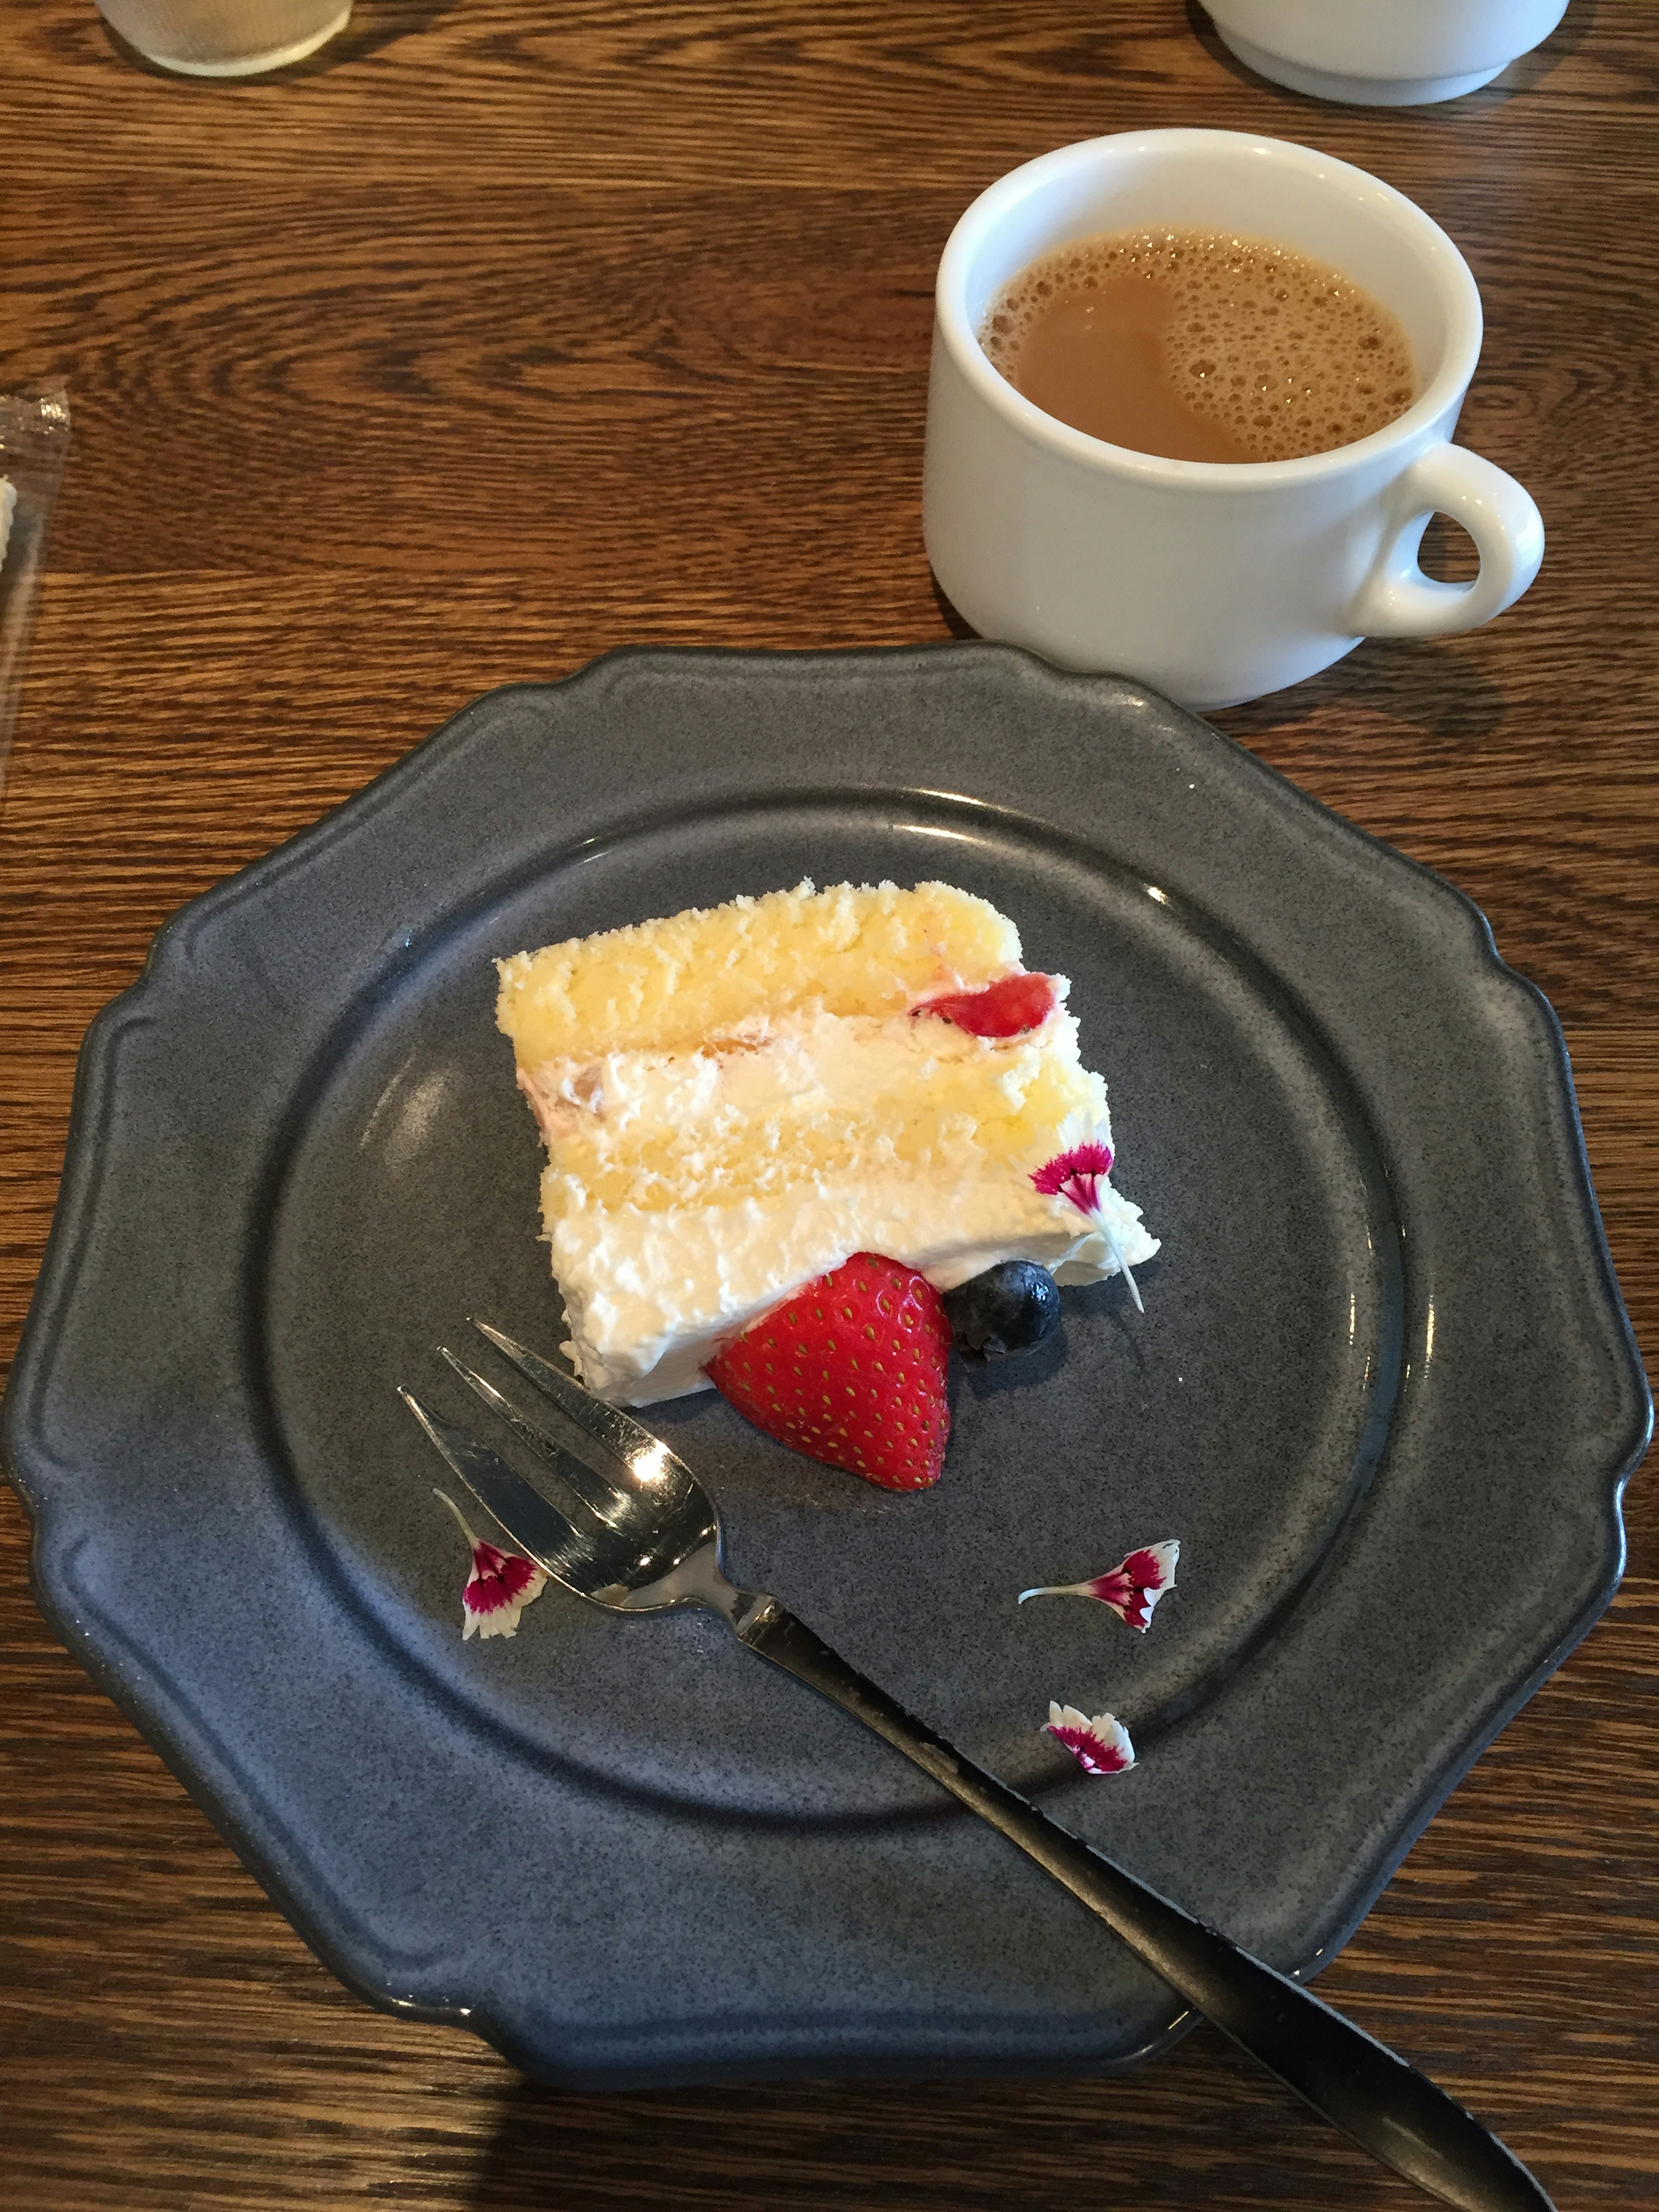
35, 434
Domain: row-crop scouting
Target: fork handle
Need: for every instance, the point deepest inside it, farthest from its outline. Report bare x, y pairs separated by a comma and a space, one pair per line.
1387, 2106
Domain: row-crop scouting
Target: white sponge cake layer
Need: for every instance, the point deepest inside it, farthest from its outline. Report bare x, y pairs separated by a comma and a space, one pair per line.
699, 976
813, 1098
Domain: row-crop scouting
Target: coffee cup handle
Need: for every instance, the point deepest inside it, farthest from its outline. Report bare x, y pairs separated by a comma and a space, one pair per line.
1398, 600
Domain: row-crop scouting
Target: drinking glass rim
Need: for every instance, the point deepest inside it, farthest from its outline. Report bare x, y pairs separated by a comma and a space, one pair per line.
1459, 293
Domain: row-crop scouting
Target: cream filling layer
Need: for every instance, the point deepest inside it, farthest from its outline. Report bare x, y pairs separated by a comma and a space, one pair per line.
651, 1297
800, 1142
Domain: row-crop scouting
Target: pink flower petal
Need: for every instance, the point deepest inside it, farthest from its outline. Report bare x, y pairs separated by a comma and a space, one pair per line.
501, 1585
1132, 1588
1100, 1746
1077, 1176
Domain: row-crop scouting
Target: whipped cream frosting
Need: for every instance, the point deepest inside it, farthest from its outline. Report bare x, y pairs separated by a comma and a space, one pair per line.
863, 1161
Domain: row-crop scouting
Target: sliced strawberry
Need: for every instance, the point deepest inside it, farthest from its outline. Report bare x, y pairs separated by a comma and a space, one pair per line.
998, 1010
850, 1370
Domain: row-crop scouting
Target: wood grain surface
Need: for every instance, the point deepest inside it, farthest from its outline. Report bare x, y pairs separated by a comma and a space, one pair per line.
499, 335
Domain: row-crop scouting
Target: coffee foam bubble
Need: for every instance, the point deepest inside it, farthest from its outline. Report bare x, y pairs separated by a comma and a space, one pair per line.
1286, 355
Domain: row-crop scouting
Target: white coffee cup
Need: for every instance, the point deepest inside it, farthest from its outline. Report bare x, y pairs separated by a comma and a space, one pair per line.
1212, 581
1383, 54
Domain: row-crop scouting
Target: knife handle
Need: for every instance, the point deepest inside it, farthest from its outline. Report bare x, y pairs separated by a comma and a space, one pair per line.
1356, 2083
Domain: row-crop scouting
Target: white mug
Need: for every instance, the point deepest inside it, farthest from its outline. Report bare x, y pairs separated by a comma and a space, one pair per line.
1211, 581
1383, 54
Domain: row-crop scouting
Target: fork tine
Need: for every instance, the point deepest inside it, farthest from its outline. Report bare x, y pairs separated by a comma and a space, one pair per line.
599, 1496
645, 1457
537, 1527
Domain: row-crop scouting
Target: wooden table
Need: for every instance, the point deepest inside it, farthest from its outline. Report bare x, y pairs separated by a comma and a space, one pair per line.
497, 336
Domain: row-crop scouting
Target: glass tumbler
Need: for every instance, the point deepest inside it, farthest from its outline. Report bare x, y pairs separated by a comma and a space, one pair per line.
225, 37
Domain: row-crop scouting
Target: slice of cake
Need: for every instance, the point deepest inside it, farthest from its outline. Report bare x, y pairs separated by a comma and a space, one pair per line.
737, 1100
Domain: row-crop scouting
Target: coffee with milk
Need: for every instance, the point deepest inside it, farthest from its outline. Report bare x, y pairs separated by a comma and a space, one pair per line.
1200, 346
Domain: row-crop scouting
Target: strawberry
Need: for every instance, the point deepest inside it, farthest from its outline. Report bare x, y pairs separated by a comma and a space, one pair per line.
997, 1010
850, 1370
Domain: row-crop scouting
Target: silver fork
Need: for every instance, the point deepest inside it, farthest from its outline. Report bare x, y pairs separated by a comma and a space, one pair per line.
635, 1532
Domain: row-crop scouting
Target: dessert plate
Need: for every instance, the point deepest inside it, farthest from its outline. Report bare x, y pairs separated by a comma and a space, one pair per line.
1383, 1390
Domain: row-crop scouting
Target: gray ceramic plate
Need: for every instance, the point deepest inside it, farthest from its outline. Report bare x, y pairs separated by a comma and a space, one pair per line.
1383, 1390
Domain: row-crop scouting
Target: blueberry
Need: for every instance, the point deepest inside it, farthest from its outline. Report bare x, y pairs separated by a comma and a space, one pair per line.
1010, 1308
